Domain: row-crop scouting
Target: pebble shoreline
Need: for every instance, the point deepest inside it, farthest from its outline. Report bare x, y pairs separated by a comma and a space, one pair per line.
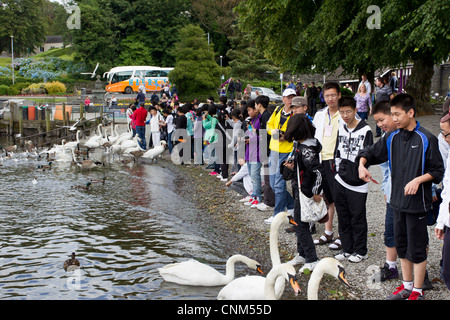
243, 231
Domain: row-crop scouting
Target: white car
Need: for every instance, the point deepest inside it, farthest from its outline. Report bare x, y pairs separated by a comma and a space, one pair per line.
274, 97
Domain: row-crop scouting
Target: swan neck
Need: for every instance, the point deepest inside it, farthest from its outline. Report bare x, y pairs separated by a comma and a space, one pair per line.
313, 284
229, 269
274, 252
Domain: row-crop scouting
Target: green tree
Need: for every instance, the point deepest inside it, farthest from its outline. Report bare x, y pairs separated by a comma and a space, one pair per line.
247, 61
196, 72
135, 52
328, 34
96, 40
25, 21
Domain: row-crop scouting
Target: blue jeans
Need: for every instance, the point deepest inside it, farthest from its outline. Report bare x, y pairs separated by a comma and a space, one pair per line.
140, 131
254, 168
283, 199
363, 115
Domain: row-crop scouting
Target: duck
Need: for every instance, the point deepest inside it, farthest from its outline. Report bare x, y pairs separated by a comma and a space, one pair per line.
45, 166
329, 266
72, 263
258, 287
86, 187
9, 149
155, 151
34, 180
195, 273
102, 181
84, 164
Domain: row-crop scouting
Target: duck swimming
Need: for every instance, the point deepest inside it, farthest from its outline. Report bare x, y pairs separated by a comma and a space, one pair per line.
72, 263
86, 187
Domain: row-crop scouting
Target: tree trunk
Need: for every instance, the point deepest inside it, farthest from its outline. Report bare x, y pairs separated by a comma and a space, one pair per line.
419, 84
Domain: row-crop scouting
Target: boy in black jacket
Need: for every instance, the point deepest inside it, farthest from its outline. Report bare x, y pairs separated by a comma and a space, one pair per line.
350, 191
415, 163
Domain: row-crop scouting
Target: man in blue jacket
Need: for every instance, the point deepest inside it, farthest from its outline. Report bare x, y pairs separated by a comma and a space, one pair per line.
415, 163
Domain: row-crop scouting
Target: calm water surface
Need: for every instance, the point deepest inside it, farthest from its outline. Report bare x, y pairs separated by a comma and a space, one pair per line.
121, 231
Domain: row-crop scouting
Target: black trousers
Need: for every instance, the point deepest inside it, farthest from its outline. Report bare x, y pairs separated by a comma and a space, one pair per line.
305, 242
352, 221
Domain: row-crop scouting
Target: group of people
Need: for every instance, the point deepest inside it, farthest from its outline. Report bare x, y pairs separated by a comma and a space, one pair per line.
326, 158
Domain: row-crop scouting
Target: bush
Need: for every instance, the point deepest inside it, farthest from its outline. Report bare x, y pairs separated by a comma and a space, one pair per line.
55, 87
3, 90
35, 88
13, 91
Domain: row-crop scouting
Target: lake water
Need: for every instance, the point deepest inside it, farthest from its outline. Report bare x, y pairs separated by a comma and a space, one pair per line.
121, 231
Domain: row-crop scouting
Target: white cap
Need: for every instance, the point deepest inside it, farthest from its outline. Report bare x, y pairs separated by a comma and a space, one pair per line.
289, 92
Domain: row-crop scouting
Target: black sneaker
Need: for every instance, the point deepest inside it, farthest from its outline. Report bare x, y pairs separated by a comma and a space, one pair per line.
387, 273
427, 285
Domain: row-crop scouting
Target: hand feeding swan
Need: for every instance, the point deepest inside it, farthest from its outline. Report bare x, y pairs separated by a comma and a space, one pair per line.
329, 266
260, 288
194, 273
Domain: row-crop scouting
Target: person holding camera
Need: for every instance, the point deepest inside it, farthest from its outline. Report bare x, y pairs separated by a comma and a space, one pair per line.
279, 151
303, 161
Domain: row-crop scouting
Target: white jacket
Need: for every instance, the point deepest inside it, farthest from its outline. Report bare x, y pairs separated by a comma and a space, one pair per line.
443, 218
319, 124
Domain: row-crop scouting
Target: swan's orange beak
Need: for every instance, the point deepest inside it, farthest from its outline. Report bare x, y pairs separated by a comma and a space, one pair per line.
259, 269
341, 276
294, 284
291, 221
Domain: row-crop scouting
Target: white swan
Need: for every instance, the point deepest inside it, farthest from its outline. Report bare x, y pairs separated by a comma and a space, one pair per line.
73, 144
94, 141
260, 288
115, 137
130, 143
194, 273
155, 151
329, 266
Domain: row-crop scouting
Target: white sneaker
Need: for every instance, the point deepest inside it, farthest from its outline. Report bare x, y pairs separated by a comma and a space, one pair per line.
224, 180
357, 258
219, 176
308, 266
342, 255
263, 207
298, 259
269, 221
249, 202
246, 199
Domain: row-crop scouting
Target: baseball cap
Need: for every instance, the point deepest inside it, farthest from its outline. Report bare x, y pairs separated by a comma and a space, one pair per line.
289, 92
299, 101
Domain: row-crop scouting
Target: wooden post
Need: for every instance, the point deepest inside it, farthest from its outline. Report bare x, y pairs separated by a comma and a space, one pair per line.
64, 113
47, 119
21, 121
11, 119
81, 110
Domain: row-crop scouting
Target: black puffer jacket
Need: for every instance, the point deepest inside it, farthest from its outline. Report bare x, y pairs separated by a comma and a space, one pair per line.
306, 157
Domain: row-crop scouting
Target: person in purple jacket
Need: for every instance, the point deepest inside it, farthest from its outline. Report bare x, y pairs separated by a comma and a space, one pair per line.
252, 152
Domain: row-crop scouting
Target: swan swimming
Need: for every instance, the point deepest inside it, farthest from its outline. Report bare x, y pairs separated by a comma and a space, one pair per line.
194, 273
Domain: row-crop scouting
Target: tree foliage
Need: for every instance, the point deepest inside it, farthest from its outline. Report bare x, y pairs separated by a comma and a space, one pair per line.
196, 71
25, 20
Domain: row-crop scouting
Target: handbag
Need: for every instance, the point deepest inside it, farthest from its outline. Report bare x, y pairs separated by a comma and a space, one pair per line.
311, 211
